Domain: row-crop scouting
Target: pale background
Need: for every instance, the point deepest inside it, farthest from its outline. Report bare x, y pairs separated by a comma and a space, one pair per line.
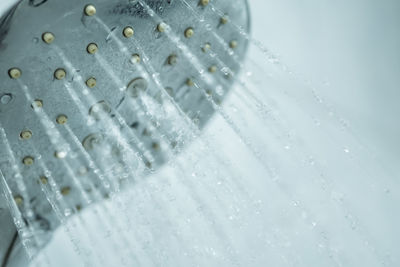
353, 45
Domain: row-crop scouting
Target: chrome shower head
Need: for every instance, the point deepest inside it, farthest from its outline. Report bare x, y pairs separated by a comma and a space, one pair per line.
90, 92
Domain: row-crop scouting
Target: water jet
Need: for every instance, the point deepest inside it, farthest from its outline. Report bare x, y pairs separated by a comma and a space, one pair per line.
82, 85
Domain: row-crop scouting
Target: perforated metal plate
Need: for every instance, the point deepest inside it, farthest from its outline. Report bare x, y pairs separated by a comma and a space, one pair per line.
66, 66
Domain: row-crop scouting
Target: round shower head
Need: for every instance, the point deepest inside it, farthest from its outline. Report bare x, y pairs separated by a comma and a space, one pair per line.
92, 93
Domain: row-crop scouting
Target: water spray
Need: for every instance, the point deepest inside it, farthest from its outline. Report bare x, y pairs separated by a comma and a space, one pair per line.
90, 95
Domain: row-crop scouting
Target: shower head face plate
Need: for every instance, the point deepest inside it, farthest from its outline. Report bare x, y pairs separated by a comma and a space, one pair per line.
87, 87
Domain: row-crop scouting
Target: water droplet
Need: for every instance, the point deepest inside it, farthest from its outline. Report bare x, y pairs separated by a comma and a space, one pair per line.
219, 90
30, 213
67, 212
226, 70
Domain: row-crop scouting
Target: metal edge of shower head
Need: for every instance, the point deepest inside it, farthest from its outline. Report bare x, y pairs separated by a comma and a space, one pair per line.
5, 7
6, 12
8, 231
6, 17
12, 252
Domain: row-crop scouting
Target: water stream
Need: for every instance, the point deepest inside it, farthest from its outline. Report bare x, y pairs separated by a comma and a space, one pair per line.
277, 178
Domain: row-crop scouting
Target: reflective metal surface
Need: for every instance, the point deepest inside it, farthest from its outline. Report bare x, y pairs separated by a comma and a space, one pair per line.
78, 63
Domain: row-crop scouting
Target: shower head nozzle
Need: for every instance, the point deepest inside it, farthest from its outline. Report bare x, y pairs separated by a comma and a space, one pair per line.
88, 87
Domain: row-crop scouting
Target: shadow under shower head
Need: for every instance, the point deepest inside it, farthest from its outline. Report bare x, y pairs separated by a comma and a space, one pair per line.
95, 94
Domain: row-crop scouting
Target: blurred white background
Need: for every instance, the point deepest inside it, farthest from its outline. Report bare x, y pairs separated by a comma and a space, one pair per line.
351, 45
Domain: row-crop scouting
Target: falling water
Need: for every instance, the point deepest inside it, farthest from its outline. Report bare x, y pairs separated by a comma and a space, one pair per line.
240, 192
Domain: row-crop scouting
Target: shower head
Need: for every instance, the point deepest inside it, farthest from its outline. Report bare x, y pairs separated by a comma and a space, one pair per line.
91, 92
